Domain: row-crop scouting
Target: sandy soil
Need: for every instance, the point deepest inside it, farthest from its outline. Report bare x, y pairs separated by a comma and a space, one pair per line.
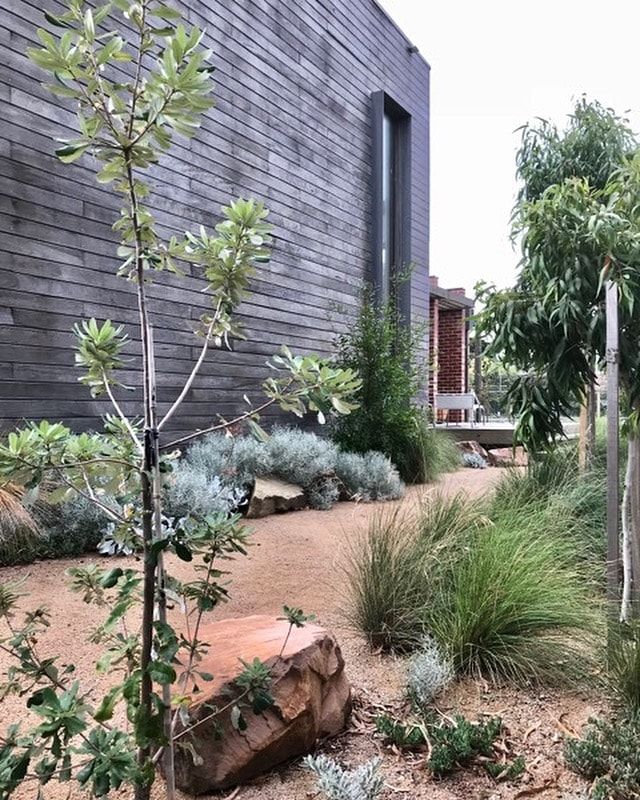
298, 559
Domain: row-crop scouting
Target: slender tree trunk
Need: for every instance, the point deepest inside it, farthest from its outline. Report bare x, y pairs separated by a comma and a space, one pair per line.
168, 754
587, 435
631, 532
592, 402
627, 564
142, 791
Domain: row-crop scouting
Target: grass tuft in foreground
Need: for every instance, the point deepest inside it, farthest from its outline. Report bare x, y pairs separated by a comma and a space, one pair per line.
501, 587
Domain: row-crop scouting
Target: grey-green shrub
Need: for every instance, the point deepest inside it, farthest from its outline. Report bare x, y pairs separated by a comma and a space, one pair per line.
72, 528
292, 455
473, 461
429, 673
235, 460
361, 783
301, 457
368, 477
191, 491
609, 757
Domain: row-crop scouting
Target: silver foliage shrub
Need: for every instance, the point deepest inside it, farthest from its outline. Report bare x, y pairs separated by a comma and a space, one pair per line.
235, 460
301, 457
191, 491
73, 527
429, 673
324, 493
368, 477
362, 783
474, 461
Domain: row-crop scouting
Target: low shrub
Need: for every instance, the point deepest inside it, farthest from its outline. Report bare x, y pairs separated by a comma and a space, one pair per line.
429, 673
301, 457
473, 461
232, 463
235, 461
20, 535
336, 783
191, 491
72, 528
452, 743
369, 476
609, 756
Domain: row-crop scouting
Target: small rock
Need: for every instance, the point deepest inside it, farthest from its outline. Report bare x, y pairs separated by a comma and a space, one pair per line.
312, 700
273, 496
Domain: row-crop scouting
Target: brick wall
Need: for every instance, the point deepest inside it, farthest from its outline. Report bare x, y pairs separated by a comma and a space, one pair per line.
448, 356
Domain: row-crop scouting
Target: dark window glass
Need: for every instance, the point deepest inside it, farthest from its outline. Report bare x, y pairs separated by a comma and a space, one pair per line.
389, 209
391, 201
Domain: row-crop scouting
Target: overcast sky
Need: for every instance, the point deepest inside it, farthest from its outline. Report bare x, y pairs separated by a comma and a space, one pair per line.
495, 65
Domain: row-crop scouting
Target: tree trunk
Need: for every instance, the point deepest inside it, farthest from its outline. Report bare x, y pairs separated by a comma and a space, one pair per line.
631, 532
587, 435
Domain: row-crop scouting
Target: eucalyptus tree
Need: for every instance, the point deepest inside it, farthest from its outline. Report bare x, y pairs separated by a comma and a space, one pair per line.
577, 221
138, 77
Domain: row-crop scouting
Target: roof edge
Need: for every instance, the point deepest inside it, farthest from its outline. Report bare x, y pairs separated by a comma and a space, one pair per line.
414, 48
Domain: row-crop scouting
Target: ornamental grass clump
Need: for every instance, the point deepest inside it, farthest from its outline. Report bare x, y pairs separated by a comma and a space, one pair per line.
623, 666
513, 604
20, 535
387, 601
505, 596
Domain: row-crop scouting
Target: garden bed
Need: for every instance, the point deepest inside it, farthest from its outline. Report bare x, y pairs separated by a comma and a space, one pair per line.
298, 559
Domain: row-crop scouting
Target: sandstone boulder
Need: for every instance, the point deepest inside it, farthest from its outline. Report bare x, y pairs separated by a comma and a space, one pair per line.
311, 693
473, 447
273, 496
507, 457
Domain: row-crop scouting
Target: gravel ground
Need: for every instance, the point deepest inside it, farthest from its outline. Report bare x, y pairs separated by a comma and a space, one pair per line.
298, 559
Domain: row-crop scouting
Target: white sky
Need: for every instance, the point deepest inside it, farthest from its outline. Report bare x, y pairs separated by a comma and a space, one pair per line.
495, 65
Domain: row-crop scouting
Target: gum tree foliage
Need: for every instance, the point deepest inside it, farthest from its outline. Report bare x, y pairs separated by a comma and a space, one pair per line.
133, 96
577, 218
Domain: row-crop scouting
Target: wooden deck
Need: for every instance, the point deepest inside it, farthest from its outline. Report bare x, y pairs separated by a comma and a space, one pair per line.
493, 434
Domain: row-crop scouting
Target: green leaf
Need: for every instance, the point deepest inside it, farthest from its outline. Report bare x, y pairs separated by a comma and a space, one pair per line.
183, 552
162, 673
71, 152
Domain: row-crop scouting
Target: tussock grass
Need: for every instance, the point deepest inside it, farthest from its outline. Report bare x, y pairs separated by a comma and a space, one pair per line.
387, 600
20, 536
624, 667
500, 586
514, 604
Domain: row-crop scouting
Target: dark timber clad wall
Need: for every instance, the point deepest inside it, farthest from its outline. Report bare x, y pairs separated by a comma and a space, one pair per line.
291, 126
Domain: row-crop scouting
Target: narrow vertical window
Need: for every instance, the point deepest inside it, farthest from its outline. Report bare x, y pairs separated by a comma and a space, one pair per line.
391, 202
389, 210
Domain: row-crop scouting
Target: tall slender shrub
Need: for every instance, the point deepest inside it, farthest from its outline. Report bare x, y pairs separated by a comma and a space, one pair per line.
385, 353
